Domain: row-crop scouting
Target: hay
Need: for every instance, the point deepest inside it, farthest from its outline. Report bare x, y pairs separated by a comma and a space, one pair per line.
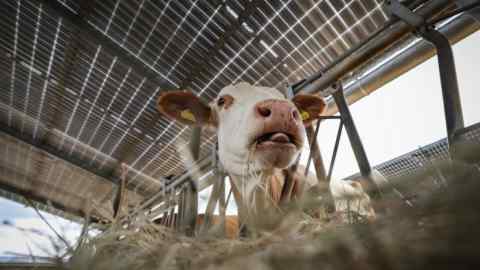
441, 231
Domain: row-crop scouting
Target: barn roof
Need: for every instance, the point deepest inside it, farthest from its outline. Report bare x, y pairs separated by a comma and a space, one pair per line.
80, 81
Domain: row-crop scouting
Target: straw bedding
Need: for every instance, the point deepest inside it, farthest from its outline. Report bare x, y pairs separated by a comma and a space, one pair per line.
441, 231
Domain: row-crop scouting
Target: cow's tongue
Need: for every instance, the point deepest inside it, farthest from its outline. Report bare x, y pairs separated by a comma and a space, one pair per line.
279, 138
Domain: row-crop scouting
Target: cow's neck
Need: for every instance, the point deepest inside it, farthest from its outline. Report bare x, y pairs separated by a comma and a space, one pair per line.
256, 192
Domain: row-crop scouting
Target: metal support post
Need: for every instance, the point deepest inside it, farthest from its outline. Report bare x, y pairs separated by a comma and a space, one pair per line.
315, 154
180, 225
222, 206
355, 141
448, 76
190, 192
217, 190
195, 142
352, 132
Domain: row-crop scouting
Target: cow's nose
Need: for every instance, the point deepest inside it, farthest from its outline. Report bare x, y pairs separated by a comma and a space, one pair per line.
278, 109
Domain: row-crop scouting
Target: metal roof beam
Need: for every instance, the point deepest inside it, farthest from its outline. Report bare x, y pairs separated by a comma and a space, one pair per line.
373, 46
106, 174
32, 195
62, 155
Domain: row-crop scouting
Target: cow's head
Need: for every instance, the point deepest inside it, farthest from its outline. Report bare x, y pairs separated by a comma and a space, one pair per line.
257, 127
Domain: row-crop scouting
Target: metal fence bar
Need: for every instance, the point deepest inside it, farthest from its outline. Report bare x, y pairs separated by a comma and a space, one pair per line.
448, 77
189, 209
352, 132
335, 150
315, 153
446, 63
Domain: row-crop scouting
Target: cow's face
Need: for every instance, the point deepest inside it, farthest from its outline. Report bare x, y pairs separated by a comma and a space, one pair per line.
257, 127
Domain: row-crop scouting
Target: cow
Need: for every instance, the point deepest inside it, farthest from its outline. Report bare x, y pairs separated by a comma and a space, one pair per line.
260, 134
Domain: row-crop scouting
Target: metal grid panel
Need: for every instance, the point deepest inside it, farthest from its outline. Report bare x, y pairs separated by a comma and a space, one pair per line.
69, 91
424, 156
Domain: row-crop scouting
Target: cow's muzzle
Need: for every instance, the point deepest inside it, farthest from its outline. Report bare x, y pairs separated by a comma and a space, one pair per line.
280, 124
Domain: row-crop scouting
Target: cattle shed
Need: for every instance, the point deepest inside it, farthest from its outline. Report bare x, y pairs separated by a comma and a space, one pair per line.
80, 81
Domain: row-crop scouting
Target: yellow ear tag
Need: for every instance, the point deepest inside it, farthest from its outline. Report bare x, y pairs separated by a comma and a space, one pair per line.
305, 115
188, 115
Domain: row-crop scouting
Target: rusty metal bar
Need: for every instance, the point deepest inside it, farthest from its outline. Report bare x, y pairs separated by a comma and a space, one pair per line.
315, 153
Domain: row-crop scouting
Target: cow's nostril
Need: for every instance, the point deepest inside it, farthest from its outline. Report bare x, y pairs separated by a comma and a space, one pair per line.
295, 115
264, 111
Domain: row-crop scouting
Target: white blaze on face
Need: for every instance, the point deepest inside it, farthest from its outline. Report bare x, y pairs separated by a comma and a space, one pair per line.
239, 126
237, 123
257, 127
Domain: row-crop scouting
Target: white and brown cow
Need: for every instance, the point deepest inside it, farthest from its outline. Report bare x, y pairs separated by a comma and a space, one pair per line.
260, 133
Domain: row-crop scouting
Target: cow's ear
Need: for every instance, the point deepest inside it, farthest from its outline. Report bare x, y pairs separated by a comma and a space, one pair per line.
186, 108
310, 106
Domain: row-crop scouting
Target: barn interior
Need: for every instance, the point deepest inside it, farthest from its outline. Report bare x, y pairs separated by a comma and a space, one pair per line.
79, 127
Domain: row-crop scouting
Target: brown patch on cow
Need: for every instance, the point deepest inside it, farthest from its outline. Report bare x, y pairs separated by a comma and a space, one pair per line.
231, 224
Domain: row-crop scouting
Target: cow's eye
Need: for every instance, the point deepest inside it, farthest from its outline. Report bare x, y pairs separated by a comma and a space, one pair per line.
225, 101
221, 102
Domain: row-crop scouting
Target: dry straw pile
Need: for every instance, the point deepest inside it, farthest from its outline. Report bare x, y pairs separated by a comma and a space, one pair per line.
440, 231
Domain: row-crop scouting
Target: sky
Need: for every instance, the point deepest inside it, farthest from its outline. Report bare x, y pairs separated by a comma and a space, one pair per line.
23, 232
398, 118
